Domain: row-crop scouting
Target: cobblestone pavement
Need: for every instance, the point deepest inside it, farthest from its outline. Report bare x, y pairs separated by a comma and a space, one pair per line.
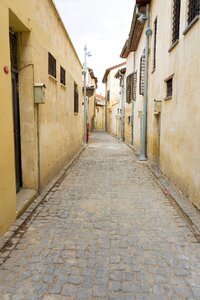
107, 232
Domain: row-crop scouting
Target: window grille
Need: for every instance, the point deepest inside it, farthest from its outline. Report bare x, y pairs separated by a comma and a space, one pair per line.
154, 43
62, 75
52, 66
131, 83
142, 70
176, 20
108, 96
128, 88
169, 84
76, 98
193, 9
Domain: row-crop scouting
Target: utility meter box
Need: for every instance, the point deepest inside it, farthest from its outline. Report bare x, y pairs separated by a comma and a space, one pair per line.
39, 93
157, 106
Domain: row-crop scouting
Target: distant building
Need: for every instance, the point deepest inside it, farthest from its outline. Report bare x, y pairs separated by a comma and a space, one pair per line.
112, 99
99, 121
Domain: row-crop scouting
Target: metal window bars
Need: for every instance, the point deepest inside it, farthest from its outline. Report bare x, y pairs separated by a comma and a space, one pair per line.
142, 71
193, 9
176, 20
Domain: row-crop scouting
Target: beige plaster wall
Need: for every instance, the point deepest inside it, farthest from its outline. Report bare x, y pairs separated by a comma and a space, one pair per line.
180, 121
59, 127
7, 166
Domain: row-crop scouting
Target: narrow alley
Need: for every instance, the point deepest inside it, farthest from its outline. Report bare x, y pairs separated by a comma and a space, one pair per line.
106, 232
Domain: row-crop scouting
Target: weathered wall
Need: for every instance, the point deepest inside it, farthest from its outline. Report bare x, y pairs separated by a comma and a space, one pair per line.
100, 118
7, 166
180, 121
59, 127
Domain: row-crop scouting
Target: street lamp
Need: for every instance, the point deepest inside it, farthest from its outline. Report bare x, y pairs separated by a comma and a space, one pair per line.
86, 53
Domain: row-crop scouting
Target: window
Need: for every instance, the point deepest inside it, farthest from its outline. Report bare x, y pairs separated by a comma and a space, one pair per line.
108, 95
169, 83
176, 20
97, 110
154, 43
62, 75
193, 10
129, 120
142, 70
131, 85
76, 98
52, 66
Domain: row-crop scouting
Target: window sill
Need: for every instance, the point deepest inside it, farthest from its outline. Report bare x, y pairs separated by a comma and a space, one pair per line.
75, 113
195, 20
173, 45
53, 78
63, 85
168, 98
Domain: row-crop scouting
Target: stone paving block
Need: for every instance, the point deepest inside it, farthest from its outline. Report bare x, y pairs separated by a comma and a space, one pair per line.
106, 231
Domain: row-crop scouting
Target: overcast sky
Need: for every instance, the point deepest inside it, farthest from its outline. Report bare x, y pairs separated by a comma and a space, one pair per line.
103, 25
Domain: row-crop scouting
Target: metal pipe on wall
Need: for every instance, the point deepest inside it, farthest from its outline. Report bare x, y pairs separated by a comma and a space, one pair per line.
143, 154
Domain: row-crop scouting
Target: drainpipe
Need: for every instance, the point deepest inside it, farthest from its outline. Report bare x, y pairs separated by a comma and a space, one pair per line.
122, 105
143, 154
132, 108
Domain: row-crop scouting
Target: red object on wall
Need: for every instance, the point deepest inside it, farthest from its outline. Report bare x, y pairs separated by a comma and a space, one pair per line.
6, 69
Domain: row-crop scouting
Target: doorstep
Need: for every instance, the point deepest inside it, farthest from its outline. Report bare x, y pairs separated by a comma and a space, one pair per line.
24, 198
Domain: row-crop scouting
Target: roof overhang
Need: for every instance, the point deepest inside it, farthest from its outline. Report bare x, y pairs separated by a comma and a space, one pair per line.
120, 73
136, 29
109, 69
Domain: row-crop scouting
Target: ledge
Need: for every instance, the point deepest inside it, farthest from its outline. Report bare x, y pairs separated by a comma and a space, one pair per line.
195, 20
173, 45
53, 78
168, 98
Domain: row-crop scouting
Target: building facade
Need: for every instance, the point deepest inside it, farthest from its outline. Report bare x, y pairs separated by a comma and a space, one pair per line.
99, 123
165, 85
38, 65
113, 98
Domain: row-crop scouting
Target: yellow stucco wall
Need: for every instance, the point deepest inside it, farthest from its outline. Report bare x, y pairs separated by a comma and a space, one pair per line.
7, 171
179, 120
59, 127
100, 118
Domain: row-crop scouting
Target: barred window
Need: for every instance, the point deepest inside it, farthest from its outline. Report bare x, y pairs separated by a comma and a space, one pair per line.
51, 65
176, 20
76, 98
154, 43
142, 70
62, 75
131, 83
193, 9
169, 84
108, 96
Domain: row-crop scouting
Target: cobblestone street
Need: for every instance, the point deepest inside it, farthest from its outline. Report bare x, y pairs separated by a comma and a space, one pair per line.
106, 232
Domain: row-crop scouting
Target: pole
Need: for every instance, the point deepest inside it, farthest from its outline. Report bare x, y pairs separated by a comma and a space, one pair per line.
85, 73
143, 155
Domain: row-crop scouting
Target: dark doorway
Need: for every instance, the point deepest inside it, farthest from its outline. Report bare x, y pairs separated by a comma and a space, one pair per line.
16, 111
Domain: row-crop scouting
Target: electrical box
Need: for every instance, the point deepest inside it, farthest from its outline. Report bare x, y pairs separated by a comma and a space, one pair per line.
157, 106
39, 93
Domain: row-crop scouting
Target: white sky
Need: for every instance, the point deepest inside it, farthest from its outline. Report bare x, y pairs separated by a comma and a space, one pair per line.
103, 25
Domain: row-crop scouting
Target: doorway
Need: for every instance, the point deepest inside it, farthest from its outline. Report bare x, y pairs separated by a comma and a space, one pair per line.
16, 110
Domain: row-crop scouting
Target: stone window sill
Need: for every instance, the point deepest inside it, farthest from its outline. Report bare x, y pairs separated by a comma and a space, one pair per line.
173, 45
168, 98
194, 21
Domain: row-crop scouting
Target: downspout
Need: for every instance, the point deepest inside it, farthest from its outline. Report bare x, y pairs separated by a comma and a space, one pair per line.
132, 113
122, 105
143, 154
